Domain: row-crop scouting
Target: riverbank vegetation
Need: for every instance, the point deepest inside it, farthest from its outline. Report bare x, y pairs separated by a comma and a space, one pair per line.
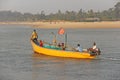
112, 14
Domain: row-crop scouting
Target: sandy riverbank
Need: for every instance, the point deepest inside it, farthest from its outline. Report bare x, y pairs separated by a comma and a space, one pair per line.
47, 25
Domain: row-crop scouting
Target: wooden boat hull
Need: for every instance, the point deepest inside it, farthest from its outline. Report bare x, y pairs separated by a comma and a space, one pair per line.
60, 53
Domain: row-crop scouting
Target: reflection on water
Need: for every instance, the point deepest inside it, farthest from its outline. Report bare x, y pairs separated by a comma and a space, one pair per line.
46, 65
18, 62
59, 68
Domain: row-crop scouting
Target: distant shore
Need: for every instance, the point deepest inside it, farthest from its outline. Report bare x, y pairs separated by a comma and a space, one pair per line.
47, 25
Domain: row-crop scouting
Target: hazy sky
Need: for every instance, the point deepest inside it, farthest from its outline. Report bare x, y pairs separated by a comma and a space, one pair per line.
51, 6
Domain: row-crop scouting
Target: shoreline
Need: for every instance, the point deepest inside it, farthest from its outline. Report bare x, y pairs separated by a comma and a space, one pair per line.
49, 25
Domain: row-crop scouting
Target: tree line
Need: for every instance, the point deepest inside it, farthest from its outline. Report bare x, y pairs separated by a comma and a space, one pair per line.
112, 14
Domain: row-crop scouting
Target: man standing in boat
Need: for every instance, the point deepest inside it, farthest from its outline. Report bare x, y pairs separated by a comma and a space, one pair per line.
34, 36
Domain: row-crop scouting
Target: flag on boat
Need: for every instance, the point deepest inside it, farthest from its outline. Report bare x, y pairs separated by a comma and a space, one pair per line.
61, 31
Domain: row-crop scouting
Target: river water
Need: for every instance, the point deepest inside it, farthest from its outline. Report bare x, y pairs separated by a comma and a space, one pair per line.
18, 62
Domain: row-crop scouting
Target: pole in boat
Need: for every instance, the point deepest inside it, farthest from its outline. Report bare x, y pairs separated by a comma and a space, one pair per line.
61, 31
65, 40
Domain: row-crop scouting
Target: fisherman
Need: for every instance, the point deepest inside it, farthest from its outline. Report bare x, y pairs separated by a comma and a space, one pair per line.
41, 43
63, 46
34, 36
79, 48
94, 50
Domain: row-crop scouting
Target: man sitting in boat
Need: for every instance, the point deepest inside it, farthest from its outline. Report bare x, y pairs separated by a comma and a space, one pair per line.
63, 46
34, 36
41, 43
79, 48
59, 45
94, 49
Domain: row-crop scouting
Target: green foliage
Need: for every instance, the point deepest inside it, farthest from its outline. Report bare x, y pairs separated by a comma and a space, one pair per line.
117, 11
112, 14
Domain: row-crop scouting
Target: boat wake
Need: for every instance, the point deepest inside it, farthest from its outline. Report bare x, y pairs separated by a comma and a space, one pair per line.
110, 58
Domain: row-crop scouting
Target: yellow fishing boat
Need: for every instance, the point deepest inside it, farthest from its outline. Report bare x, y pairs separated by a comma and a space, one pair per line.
60, 53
